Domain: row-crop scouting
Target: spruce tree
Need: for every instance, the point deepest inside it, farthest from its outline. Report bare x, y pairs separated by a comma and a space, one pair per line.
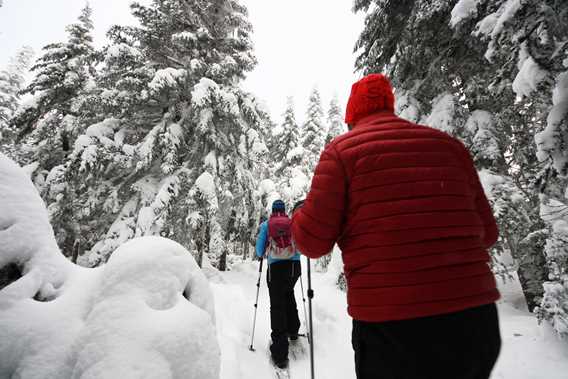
178, 146
12, 80
334, 120
527, 43
314, 131
289, 136
63, 74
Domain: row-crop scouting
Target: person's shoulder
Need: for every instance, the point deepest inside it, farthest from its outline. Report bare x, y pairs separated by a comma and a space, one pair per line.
445, 139
433, 131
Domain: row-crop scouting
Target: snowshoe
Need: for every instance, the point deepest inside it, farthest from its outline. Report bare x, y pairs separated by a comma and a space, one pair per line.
297, 349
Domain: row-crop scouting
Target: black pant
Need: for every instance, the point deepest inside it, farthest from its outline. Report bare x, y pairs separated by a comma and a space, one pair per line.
284, 321
460, 345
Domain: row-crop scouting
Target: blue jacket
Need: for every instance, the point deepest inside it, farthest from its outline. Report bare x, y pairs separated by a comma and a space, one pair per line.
261, 242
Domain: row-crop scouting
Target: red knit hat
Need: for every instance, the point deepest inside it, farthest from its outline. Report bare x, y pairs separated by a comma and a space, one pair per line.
371, 94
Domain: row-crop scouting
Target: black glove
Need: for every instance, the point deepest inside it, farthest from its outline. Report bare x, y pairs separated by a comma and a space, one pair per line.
298, 205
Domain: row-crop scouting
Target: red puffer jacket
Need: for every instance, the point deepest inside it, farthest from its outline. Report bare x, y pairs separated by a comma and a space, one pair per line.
405, 205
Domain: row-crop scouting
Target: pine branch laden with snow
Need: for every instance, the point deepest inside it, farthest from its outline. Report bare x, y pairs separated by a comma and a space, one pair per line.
407, 107
481, 129
443, 111
167, 78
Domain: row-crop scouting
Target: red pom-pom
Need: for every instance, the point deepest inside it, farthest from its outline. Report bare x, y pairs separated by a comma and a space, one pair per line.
371, 94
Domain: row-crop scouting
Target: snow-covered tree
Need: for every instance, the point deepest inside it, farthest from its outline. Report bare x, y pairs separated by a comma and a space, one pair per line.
178, 146
63, 74
12, 81
49, 123
554, 304
288, 137
335, 123
314, 131
528, 44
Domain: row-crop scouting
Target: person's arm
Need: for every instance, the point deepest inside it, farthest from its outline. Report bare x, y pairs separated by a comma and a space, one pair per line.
318, 223
482, 204
261, 239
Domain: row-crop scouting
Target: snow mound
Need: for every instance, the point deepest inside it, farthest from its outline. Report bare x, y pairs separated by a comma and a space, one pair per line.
26, 238
141, 325
148, 313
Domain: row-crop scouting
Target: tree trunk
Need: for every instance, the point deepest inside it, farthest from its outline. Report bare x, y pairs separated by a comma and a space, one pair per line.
223, 260
533, 272
76, 249
228, 233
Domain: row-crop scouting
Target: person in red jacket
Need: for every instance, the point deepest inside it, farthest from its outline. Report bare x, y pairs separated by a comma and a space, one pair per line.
405, 205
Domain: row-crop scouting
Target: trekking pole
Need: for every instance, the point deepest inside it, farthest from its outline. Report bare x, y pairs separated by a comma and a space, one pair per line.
251, 348
305, 313
310, 297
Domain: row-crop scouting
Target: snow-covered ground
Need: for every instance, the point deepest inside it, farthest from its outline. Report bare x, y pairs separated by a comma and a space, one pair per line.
235, 293
150, 312
530, 351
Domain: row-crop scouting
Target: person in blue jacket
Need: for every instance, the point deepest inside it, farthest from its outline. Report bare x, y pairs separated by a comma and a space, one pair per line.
282, 275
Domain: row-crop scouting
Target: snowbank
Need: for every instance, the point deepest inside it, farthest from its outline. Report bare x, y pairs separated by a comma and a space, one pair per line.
26, 238
140, 324
148, 313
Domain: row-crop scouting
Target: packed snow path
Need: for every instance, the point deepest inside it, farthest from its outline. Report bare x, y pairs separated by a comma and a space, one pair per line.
235, 293
529, 351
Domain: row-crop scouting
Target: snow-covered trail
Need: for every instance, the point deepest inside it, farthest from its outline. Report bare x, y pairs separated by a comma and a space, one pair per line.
235, 293
529, 351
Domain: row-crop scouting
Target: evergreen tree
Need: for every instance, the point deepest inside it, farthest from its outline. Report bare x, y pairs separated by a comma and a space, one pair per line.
334, 120
178, 146
63, 74
314, 131
528, 46
289, 136
554, 305
12, 80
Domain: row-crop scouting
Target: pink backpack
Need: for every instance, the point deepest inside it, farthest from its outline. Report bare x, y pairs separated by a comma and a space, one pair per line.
280, 245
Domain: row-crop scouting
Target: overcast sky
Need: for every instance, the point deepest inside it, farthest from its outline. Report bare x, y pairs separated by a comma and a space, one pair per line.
299, 44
